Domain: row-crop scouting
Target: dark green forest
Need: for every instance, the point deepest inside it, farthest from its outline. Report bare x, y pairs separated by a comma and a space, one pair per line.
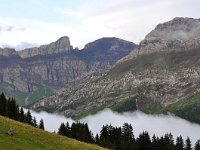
10, 109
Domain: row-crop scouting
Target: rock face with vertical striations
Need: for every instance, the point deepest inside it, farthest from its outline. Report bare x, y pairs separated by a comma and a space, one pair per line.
33, 73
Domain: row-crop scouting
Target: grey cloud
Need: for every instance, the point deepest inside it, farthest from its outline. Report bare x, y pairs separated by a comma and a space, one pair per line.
24, 45
21, 46
10, 28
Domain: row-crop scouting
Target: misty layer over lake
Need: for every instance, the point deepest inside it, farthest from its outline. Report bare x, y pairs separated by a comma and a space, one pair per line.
154, 124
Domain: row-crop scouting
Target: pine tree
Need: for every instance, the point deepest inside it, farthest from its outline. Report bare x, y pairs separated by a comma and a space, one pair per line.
12, 109
41, 124
62, 129
127, 136
188, 145
35, 122
21, 115
97, 139
197, 145
155, 144
104, 136
3, 101
68, 130
179, 143
29, 118
143, 142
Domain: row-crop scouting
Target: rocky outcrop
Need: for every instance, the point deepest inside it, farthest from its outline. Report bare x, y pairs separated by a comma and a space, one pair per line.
61, 45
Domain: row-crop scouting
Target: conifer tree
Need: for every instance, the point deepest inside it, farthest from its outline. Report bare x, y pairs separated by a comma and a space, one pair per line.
97, 138
143, 142
197, 145
41, 124
62, 129
29, 118
12, 109
21, 115
68, 129
179, 143
35, 122
188, 145
3, 104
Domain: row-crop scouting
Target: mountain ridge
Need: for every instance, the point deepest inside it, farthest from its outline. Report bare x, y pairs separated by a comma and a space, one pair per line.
53, 66
152, 77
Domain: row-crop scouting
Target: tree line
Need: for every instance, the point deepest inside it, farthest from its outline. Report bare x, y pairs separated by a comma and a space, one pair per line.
122, 138
10, 109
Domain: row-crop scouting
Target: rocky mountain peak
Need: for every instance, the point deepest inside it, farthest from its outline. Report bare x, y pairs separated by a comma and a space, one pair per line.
109, 44
62, 44
59, 46
176, 35
178, 28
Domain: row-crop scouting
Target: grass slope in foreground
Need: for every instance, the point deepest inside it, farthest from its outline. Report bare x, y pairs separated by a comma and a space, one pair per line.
29, 138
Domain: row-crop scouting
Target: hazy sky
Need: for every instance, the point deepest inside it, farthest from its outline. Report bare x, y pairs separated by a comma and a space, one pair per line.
25, 23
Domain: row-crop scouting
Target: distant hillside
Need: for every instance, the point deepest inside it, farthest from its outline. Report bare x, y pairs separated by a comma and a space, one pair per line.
29, 138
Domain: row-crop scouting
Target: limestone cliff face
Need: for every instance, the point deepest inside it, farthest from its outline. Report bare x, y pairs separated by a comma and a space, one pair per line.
57, 64
162, 70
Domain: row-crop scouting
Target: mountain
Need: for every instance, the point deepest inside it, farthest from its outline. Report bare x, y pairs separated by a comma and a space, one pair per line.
161, 75
28, 137
33, 73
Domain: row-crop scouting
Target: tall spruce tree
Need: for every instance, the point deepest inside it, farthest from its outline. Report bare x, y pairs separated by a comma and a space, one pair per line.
29, 118
127, 136
62, 129
21, 115
179, 143
197, 145
68, 130
35, 122
41, 124
3, 101
188, 145
143, 142
12, 109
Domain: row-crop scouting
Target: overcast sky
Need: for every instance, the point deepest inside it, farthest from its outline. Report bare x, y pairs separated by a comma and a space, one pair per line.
25, 23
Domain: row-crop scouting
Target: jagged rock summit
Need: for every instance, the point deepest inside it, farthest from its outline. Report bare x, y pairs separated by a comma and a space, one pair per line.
177, 29
175, 35
61, 45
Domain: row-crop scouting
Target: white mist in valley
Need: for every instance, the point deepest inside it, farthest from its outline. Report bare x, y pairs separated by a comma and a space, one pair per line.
154, 124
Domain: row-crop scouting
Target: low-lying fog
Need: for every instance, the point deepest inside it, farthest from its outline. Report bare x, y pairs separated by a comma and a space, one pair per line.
158, 124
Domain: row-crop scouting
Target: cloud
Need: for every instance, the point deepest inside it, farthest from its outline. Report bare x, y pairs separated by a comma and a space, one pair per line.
154, 124
20, 46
